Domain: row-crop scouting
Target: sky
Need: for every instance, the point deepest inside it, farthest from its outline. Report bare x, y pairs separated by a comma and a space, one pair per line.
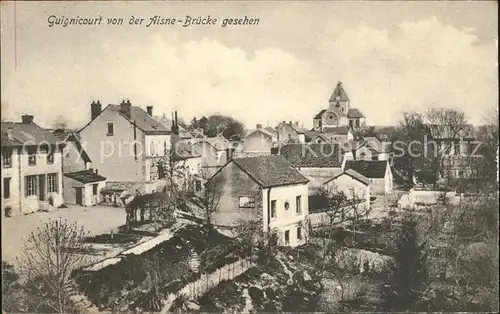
391, 57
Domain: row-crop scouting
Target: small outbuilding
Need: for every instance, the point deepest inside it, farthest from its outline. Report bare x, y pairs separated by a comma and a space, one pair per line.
83, 187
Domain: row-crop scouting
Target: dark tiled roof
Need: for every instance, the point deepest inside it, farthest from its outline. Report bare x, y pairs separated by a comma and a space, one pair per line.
85, 176
143, 121
373, 169
313, 155
354, 113
26, 133
353, 174
337, 130
269, 171
339, 91
320, 114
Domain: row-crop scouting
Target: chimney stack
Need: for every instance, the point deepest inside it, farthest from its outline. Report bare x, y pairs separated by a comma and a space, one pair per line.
27, 119
96, 172
125, 108
290, 122
259, 126
149, 109
95, 109
229, 153
9, 133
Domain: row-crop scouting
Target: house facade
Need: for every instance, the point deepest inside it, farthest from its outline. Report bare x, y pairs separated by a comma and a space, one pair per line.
353, 184
339, 112
291, 132
260, 141
377, 171
263, 188
31, 168
125, 142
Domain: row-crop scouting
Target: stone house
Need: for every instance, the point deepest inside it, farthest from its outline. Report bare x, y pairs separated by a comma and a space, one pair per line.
126, 143
291, 132
264, 188
377, 171
31, 168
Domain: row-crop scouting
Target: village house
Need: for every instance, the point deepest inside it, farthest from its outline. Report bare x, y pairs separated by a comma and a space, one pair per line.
265, 188
339, 113
31, 168
260, 141
352, 184
377, 171
318, 162
291, 132
126, 143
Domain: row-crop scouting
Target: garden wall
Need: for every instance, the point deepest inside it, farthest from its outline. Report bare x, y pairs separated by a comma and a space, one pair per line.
429, 197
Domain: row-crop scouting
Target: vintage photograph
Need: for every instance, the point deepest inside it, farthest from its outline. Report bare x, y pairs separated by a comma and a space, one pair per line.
247, 157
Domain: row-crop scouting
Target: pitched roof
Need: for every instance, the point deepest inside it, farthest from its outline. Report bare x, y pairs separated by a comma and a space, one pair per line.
271, 170
220, 143
353, 174
183, 150
340, 92
317, 155
377, 145
322, 136
75, 139
320, 114
337, 130
26, 133
167, 123
373, 169
143, 121
85, 176
270, 129
354, 113
263, 131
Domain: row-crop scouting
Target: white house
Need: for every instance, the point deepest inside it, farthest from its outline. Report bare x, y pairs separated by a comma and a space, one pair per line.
353, 184
31, 168
377, 171
266, 188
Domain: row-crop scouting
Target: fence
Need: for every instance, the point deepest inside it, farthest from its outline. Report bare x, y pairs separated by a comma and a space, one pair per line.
201, 286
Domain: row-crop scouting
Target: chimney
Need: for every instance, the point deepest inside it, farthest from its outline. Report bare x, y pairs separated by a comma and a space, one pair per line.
149, 109
259, 126
96, 172
9, 133
95, 109
91, 169
125, 108
175, 126
229, 153
290, 122
27, 119
297, 123
284, 122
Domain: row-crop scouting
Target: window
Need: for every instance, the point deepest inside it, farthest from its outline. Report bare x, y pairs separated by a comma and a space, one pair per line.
52, 183
6, 158
94, 189
50, 158
357, 122
350, 123
31, 156
287, 237
298, 204
287, 205
110, 129
198, 185
165, 148
6, 188
299, 233
246, 202
30, 186
273, 209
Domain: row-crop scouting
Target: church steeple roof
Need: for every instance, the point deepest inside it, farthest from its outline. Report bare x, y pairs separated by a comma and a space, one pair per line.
339, 94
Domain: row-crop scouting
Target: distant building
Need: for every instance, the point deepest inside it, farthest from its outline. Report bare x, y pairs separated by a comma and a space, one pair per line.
352, 184
31, 168
83, 187
265, 188
291, 132
339, 112
377, 171
260, 141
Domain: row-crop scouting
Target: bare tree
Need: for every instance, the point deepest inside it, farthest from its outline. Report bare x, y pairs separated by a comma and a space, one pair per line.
212, 194
49, 256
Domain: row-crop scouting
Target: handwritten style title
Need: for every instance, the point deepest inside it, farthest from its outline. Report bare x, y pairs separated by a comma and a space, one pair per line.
157, 20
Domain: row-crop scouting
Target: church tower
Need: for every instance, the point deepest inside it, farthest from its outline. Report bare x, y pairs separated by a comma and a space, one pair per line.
339, 101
